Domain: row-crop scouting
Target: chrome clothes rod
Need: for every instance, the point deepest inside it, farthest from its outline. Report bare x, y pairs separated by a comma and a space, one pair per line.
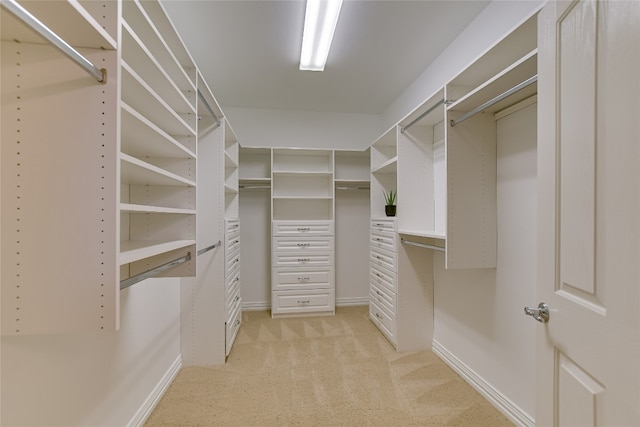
208, 248
438, 104
255, 187
352, 188
208, 107
153, 272
498, 98
32, 22
422, 245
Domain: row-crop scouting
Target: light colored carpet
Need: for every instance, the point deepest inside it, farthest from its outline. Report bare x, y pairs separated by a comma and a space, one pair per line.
321, 371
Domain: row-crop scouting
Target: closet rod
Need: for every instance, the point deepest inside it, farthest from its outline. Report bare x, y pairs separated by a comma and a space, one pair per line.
255, 187
422, 245
439, 103
208, 248
498, 98
208, 107
352, 188
32, 22
153, 272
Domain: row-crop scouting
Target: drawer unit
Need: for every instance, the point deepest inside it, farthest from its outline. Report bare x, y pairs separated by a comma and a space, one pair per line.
302, 278
384, 225
303, 243
384, 240
231, 328
383, 258
231, 260
231, 225
302, 301
232, 287
289, 259
383, 297
382, 277
232, 240
302, 228
384, 320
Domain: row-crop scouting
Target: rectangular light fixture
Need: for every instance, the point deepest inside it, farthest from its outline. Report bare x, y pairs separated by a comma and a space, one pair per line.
320, 21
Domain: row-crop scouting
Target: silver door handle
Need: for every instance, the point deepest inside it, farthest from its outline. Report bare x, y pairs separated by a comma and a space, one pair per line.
540, 313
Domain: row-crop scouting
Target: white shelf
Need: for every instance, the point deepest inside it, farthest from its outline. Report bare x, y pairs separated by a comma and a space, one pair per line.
304, 174
136, 171
390, 166
230, 190
425, 234
229, 161
131, 251
302, 198
133, 208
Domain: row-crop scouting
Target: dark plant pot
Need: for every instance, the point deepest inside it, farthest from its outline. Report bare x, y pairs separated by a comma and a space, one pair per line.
390, 210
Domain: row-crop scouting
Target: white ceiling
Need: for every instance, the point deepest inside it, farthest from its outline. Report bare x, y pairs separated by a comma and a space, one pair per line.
248, 51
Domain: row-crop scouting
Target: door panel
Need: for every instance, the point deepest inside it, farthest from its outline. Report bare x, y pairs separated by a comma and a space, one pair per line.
588, 354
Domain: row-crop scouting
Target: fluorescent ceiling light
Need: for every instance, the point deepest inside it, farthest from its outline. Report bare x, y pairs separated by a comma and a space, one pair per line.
320, 21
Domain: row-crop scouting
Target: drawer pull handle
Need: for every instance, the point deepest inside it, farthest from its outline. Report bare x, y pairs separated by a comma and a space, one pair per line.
304, 259
237, 322
236, 260
379, 224
303, 244
304, 228
303, 279
378, 256
378, 239
379, 293
236, 279
379, 275
304, 301
378, 316
236, 298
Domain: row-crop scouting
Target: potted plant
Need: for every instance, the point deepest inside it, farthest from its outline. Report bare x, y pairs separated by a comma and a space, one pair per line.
390, 202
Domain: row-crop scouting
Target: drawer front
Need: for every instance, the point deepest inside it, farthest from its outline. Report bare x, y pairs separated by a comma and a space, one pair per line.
384, 225
383, 258
232, 241
383, 240
383, 297
385, 321
231, 329
232, 304
302, 259
382, 277
232, 286
231, 225
302, 228
302, 244
289, 302
232, 262
302, 278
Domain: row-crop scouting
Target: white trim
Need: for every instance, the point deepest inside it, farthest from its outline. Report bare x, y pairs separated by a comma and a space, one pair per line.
344, 302
156, 394
494, 396
256, 305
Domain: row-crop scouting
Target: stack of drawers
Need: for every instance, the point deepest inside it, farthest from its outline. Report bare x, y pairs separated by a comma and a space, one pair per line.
303, 279
383, 291
233, 311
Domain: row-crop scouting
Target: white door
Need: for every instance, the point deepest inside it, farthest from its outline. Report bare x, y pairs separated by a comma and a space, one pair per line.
588, 352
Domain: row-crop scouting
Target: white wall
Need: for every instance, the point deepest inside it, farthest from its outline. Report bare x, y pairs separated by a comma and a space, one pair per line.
304, 129
95, 379
478, 317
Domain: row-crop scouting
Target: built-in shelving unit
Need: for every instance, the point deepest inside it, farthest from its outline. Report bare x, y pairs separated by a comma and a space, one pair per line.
231, 167
158, 143
352, 170
384, 170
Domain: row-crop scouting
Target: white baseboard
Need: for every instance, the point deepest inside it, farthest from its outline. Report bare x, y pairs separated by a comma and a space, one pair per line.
256, 305
495, 397
154, 397
344, 302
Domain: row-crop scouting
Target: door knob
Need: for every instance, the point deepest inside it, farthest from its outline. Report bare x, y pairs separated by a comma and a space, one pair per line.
540, 313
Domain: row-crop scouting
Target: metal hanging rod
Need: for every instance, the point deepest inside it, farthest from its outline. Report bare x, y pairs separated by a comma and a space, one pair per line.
153, 272
495, 100
351, 188
34, 23
208, 107
208, 248
255, 187
437, 104
423, 245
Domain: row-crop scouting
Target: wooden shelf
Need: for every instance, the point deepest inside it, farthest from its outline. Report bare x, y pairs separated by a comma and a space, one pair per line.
390, 166
131, 251
136, 171
133, 208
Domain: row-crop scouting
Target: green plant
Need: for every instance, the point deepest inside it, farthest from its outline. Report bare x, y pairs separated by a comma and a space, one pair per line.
390, 197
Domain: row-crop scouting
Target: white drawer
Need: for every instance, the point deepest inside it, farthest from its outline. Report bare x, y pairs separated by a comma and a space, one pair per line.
232, 285
383, 258
302, 278
383, 239
382, 277
232, 262
385, 225
231, 329
231, 225
232, 241
306, 259
290, 302
383, 297
233, 304
384, 320
302, 228
302, 244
